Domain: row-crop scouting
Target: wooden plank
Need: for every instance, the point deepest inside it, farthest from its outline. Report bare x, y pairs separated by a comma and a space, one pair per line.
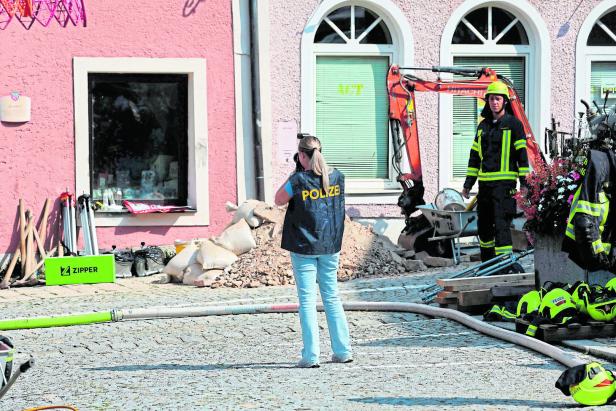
480, 286
445, 294
476, 297
554, 333
510, 290
505, 278
446, 300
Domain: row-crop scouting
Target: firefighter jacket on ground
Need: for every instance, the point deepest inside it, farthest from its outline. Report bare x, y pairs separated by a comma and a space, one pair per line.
314, 222
498, 158
590, 227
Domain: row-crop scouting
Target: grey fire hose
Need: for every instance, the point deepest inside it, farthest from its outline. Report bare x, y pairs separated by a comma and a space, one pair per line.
180, 312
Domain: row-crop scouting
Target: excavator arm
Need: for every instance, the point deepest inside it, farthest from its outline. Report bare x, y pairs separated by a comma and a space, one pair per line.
403, 120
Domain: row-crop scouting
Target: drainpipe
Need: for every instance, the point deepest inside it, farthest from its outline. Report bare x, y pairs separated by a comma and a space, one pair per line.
256, 98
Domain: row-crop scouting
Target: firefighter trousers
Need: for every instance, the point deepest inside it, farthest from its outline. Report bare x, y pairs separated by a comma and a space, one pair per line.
496, 208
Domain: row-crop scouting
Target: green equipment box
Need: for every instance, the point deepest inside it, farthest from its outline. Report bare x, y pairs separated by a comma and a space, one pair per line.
89, 269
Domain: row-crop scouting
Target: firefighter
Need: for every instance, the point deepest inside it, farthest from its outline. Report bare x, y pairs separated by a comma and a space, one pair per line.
498, 158
590, 229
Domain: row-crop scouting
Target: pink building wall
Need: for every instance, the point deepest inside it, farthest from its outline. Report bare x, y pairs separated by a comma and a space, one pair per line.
37, 158
427, 22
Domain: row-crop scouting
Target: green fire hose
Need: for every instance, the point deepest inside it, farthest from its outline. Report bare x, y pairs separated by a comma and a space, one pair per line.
181, 312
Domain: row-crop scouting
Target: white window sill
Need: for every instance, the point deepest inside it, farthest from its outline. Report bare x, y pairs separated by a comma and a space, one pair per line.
383, 196
124, 218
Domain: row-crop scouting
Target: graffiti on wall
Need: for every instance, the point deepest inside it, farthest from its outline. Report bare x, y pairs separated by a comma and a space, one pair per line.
190, 7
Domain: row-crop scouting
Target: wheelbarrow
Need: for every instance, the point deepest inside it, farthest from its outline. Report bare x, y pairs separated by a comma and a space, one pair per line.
450, 225
7, 351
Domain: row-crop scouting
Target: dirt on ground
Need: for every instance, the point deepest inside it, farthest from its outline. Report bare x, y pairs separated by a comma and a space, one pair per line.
363, 254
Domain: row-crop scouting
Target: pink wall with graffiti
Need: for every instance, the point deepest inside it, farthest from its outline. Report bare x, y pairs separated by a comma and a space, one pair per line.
37, 158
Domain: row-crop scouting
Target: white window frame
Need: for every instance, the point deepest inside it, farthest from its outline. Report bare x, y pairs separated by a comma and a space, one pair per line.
372, 191
537, 61
586, 55
198, 192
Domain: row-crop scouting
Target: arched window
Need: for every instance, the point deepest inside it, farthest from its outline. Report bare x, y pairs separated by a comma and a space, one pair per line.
347, 47
596, 58
353, 52
490, 25
484, 37
353, 24
603, 32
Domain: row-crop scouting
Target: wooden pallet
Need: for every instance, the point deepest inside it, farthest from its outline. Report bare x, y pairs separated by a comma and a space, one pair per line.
483, 291
553, 333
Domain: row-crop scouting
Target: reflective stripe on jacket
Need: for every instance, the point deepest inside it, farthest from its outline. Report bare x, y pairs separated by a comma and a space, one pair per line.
591, 199
498, 152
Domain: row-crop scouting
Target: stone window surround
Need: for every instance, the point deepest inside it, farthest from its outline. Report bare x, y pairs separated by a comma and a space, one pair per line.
198, 187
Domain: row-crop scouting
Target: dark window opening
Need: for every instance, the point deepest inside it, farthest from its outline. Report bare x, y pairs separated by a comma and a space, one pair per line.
342, 19
479, 20
364, 18
500, 20
464, 35
515, 35
139, 138
378, 35
326, 34
598, 36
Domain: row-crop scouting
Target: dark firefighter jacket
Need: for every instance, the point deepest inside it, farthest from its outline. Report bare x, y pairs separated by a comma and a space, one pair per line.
498, 152
314, 222
591, 199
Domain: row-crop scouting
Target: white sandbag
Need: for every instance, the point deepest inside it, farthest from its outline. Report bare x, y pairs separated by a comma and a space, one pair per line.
237, 238
207, 278
269, 213
176, 266
229, 206
246, 211
191, 273
212, 256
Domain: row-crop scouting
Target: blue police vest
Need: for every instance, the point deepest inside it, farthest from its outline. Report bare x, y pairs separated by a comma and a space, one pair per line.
314, 222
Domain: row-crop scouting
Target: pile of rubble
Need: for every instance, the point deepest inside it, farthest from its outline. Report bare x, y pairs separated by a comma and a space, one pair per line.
363, 254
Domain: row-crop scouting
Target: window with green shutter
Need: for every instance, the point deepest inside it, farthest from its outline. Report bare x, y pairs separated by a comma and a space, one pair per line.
466, 110
352, 114
603, 78
493, 28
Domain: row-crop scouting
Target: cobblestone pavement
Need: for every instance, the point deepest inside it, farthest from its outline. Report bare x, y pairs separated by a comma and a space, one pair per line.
402, 360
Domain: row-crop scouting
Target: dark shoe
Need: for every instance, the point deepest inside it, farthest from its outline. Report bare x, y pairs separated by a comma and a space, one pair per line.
342, 360
307, 364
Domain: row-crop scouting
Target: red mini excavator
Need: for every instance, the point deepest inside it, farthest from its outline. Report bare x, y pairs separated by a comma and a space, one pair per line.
403, 121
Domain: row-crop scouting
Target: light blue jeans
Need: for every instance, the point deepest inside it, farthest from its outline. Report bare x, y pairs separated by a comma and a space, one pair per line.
310, 270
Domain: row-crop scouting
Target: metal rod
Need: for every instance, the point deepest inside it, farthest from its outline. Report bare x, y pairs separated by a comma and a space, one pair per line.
468, 270
511, 259
22, 368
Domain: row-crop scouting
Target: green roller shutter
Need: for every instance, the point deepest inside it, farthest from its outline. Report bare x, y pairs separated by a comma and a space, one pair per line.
602, 77
352, 116
466, 110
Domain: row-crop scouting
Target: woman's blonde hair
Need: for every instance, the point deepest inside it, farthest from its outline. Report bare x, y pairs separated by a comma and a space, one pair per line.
312, 147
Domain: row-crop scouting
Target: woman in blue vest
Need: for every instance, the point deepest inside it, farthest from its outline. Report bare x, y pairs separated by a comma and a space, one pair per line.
312, 232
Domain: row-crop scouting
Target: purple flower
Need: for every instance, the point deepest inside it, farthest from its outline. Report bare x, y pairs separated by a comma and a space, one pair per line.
575, 175
570, 199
